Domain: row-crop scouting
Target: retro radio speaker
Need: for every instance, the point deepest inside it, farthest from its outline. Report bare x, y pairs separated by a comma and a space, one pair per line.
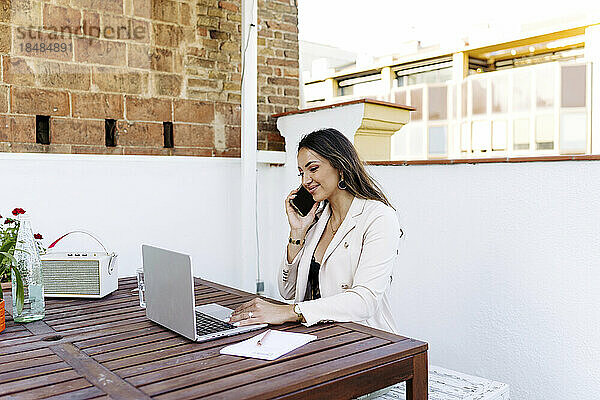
89, 274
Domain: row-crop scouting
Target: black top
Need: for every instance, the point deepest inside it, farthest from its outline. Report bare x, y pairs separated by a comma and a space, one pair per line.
312, 287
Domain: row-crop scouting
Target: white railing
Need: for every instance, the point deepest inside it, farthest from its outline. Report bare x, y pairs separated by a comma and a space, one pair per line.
529, 111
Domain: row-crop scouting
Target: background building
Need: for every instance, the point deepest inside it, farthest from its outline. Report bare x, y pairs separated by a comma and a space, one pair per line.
524, 95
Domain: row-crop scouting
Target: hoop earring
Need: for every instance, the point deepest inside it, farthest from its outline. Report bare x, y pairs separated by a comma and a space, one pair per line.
342, 185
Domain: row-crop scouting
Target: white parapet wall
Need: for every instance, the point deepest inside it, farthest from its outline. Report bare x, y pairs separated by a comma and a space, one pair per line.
500, 271
187, 204
499, 261
499, 268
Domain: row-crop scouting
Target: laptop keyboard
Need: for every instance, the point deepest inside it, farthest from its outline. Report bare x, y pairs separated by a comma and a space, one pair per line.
206, 324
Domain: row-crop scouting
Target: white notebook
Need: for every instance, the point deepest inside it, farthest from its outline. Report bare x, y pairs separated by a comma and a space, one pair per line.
276, 344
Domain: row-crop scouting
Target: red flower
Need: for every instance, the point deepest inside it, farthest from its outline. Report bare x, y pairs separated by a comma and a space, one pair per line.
37, 236
18, 211
9, 221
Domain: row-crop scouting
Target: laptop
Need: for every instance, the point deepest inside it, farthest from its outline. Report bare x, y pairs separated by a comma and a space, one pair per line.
170, 299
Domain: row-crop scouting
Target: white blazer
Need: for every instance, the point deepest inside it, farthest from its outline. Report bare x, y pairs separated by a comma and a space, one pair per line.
356, 270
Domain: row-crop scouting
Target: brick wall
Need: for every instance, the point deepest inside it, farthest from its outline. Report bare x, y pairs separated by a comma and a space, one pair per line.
141, 63
278, 79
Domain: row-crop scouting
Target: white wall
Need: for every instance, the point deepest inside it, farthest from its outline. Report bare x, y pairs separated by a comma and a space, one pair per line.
501, 271
500, 261
500, 268
187, 204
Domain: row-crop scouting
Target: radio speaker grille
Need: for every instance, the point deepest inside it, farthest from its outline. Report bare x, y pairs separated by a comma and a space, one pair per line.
71, 277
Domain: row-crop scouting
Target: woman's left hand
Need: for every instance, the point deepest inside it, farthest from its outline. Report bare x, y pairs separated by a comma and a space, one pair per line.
259, 311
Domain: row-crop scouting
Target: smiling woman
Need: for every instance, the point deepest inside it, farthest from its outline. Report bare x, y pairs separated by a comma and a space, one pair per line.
340, 257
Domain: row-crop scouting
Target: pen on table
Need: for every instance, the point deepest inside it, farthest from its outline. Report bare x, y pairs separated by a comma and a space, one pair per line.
262, 339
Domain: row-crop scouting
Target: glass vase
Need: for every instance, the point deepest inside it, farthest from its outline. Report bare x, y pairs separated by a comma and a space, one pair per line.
30, 266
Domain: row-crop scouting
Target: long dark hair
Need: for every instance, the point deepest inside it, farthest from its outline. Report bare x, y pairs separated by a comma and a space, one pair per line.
332, 145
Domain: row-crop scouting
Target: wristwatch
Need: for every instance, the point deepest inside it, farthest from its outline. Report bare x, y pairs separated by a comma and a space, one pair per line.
299, 315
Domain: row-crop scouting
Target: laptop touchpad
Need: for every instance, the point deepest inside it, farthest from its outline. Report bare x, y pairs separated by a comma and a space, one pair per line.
216, 311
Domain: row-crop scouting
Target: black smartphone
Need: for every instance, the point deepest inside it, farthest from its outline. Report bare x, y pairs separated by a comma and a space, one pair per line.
303, 202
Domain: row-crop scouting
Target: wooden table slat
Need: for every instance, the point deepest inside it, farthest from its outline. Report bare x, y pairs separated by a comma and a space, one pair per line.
108, 348
127, 340
112, 336
139, 312
13, 328
218, 379
192, 357
15, 335
81, 328
7, 345
16, 346
134, 312
61, 388
123, 293
59, 303
115, 351
29, 362
359, 383
319, 372
187, 348
94, 316
81, 394
94, 305
37, 381
22, 355
91, 309
141, 349
241, 364
31, 371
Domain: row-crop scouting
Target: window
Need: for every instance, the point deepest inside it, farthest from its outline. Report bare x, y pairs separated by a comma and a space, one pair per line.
544, 87
521, 134
499, 129
435, 76
521, 91
400, 97
481, 135
438, 102
544, 132
464, 98
573, 114
416, 141
437, 140
465, 137
573, 85
369, 85
500, 94
573, 132
416, 100
479, 90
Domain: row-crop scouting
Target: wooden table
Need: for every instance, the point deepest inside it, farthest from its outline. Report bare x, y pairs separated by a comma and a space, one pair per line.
106, 348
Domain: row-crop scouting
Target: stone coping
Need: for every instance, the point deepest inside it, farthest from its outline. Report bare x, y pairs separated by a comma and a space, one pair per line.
588, 157
346, 103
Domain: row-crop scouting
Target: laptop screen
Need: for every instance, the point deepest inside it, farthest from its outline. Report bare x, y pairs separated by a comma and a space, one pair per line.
169, 290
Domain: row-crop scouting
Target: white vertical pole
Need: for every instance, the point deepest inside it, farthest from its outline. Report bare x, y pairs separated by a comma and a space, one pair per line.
460, 69
248, 267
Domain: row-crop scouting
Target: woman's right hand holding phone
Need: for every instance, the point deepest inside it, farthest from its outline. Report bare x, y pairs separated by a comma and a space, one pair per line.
298, 224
